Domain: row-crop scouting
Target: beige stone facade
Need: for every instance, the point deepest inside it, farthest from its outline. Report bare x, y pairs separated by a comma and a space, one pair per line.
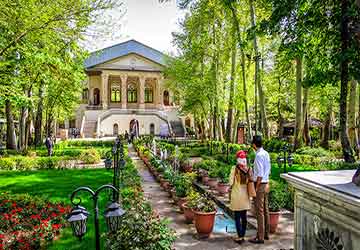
124, 87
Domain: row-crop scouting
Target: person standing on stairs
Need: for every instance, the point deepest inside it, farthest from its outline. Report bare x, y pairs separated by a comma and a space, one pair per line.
239, 198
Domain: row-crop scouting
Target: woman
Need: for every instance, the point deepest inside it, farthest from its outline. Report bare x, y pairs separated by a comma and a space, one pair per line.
239, 200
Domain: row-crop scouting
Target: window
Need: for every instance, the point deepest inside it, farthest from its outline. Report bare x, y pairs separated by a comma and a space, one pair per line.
96, 96
115, 129
149, 96
166, 98
115, 92
85, 94
131, 94
152, 129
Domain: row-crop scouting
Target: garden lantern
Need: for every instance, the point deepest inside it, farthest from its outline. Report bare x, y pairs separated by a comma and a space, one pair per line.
280, 161
108, 160
290, 159
77, 219
113, 216
286, 158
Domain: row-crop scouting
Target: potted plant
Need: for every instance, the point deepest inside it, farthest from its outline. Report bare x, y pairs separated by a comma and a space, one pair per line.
204, 216
191, 202
276, 202
185, 163
223, 186
212, 181
182, 185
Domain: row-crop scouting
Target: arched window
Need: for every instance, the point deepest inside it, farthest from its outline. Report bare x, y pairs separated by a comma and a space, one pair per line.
115, 129
85, 94
152, 129
149, 96
96, 96
115, 92
131, 93
166, 98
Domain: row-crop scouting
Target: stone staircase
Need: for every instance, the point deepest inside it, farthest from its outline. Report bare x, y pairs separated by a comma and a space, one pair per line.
89, 128
177, 128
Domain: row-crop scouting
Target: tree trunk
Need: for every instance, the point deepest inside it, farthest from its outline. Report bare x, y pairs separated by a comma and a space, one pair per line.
299, 117
327, 127
257, 64
38, 119
10, 127
22, 127
352, 115
307, 137
231, 94
264, 125
28, 123
280, 117
236, 21
344, 65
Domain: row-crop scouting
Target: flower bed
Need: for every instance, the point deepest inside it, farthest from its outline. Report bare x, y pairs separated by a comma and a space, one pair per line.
29, 223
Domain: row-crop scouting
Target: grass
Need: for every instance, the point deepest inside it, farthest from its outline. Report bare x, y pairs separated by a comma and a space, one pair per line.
57, 186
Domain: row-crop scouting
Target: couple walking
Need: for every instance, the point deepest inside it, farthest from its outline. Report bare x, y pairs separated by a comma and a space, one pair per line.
243, 180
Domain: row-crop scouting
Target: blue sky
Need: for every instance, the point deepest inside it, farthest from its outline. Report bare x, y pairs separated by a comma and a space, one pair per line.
147, 21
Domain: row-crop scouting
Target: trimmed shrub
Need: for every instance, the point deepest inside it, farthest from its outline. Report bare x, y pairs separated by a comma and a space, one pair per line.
316, 152
90, 156
48, 162
7, 163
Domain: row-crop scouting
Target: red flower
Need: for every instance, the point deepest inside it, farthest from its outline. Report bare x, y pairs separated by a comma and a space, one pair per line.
14, 204
56, 226
35, 216
61, 210
53, 214
2, 236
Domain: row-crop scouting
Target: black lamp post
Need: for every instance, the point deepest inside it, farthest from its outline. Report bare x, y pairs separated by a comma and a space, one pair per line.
286, 158
78, 215
119, 163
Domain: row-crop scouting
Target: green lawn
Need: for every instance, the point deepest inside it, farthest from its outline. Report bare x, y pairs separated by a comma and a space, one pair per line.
57, 185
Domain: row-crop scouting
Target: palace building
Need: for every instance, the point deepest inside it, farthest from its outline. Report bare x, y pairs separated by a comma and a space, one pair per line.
126, 91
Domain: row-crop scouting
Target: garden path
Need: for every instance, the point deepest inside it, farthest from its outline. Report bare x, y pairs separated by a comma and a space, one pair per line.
186, 234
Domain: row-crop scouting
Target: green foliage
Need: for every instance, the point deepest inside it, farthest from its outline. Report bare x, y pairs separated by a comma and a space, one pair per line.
204, 204
90, 156
316, 152
182, 184
277, 196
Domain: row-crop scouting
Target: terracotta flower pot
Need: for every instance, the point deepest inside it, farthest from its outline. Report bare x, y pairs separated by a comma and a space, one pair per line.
205, 179
181, 203
204, 223
188, 214
212, 182
274, 221
223, 188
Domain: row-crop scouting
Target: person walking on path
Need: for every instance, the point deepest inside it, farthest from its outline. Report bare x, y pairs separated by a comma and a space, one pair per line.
49, 145
262, 168
239, 200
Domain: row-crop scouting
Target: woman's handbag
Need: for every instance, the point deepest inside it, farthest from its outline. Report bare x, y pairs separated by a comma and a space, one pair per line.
251, 189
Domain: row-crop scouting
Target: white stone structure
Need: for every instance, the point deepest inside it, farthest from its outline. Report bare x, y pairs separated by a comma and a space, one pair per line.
126, 90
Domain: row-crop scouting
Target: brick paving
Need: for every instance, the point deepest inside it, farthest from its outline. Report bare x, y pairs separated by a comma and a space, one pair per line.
186, 233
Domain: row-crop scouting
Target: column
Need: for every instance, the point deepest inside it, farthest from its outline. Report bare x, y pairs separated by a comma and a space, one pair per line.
142, 92
159, 99
123, 91
105, 87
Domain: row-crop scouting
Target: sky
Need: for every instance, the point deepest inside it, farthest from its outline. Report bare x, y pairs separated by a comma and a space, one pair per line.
146, 21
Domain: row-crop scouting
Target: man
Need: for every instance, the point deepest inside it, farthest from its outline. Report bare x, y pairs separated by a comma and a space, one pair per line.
262, 168
49, 145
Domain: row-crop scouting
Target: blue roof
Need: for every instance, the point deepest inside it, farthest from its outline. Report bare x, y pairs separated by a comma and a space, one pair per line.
123, 49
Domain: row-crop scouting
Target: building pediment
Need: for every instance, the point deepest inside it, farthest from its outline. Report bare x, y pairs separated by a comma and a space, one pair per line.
130, 55
130, 62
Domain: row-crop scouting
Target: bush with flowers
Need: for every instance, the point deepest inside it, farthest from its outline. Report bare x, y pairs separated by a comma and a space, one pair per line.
29, 222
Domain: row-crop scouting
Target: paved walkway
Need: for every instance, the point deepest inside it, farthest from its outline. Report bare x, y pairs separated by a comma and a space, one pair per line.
187, 233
